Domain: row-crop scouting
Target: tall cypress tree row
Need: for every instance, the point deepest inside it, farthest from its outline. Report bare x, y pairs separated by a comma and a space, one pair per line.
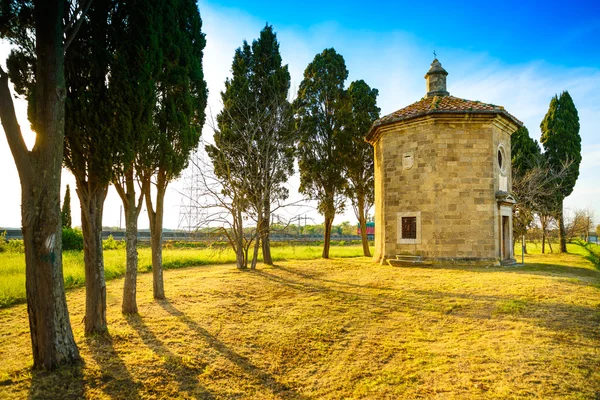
562, 146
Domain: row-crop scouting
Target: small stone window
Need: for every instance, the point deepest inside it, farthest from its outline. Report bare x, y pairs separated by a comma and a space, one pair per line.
502, 161
409, 227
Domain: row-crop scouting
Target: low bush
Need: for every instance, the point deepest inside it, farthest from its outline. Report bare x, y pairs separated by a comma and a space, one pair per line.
11, 245
72, 239
111, 244
15, 246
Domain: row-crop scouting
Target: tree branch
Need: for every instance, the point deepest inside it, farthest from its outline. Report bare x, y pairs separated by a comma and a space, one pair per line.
12, 129
120, 190
75, 23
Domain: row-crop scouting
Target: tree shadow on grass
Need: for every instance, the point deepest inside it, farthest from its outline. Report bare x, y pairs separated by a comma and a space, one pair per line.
295, 283
558, 317
185, 372
317, 278
265, 379
547, 269
66, 382
116, 380
527, 268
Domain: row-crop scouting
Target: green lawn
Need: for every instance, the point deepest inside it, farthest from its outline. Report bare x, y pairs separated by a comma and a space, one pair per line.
12, 265
332, 329
577, 255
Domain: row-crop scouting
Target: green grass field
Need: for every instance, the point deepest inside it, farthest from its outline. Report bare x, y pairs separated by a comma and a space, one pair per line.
331, 329
12, 265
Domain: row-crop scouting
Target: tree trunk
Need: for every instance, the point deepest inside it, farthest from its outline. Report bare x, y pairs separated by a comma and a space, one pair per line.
51, 335
40, 172
131, 230
562, 234
266, 234
362, 221
132, 208
327, 241
246, 250
156, 239
156, 234
255, 254
238, 228
239, 253
543, 223
92, 199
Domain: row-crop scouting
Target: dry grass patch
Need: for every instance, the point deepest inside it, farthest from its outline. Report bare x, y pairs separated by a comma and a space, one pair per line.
332, 329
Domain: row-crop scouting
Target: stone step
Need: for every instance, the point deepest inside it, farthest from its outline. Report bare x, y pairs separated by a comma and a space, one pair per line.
407, 260
408, 257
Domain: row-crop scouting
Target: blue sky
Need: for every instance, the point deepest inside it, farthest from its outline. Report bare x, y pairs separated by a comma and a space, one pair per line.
517, 31
514, 54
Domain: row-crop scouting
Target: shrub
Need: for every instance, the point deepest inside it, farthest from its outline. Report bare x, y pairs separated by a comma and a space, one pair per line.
111, 244
72, 239
15, 246
3, 246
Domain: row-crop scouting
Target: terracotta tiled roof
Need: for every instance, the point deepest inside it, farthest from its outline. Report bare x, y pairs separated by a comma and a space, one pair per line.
439, 105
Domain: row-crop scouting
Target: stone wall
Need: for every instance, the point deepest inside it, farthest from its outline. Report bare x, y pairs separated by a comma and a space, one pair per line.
451, 184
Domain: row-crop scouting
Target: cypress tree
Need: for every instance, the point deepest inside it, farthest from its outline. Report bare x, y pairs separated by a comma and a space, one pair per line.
270, 83
232, 155
359, 163
562, 146
66, 210
323, 111
524, 151
91, 145
136, 60
254, 146
178, 114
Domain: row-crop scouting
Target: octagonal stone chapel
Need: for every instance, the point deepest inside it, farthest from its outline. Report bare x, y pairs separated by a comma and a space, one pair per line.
443, 180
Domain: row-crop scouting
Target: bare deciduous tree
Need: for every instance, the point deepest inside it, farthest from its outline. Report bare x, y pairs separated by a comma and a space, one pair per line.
581, 224
223, 208
251, 159
534, 193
